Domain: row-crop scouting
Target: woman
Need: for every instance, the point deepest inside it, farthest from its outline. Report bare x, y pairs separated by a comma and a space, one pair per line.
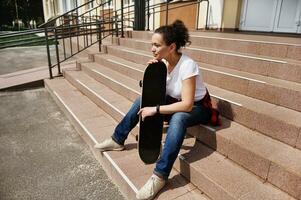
185, 92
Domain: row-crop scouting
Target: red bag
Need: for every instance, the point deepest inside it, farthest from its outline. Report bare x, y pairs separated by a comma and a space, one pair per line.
206, 101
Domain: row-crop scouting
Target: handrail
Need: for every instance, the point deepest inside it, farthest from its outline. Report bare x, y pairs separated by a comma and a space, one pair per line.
97, 21
66, 26
89, 27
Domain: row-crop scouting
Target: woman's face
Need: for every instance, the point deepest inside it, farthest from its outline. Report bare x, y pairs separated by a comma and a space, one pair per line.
159, 49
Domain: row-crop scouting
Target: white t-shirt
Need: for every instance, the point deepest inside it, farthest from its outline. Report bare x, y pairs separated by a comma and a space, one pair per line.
184, 69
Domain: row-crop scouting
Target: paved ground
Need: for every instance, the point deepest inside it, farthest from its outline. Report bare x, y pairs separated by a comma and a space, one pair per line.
22, 58
42, 156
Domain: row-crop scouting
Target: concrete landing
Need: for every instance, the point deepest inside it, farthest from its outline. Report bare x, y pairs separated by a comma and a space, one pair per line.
42, 156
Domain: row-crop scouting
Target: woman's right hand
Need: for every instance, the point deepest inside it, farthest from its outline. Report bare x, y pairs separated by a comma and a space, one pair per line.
152, 61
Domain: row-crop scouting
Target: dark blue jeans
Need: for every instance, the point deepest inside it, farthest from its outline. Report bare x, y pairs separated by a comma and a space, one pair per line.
176, 131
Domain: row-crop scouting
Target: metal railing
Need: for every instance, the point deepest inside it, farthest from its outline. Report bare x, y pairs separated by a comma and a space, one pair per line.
80, 28
91, 26
151, 10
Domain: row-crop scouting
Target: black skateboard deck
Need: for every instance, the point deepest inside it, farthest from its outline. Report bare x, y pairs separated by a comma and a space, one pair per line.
153, 94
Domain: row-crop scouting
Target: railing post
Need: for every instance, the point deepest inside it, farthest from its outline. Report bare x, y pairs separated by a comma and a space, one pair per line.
57, 52
198, 16
110, 24
99, 36
148, 15
116, 23
122, 34
103, 14
166, 12
206, 26
154, 18
140, 18
48, 53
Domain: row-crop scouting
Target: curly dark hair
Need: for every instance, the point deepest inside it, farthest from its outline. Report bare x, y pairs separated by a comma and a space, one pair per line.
175, 33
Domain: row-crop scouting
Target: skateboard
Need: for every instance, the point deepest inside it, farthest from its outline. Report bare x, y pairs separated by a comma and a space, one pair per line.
153, 94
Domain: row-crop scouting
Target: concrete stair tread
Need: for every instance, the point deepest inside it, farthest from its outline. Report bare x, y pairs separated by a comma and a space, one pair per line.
260, 78
112, 74
118, 101
222, 51
272, 47
278, 112
231, 137
127, 162
119, 60
253, 37
202, 163
240, 36
139, 52
264, 150
246, 55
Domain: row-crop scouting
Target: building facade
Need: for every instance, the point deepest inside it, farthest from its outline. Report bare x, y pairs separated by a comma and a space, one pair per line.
224, 15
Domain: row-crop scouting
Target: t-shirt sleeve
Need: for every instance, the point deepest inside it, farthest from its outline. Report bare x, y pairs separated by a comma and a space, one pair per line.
188, 70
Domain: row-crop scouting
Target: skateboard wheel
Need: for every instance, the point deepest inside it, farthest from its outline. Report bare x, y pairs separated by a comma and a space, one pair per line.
140, 83
137, 138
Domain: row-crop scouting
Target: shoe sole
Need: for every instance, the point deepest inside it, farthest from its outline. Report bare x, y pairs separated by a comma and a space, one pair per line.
116, 149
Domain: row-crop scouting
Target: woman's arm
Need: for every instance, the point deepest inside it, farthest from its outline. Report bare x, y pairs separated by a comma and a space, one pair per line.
185, 105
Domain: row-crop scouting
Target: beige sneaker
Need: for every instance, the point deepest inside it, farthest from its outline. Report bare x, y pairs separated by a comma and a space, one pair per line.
151, 188
109, 145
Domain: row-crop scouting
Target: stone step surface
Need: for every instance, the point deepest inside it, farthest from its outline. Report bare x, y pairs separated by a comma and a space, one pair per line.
275, 91
225, 191
274, 67
277, 122
263, 152
260, 139
271, 46
124, 167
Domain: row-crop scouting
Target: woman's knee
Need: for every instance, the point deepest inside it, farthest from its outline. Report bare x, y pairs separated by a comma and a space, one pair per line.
179, 118
136, 103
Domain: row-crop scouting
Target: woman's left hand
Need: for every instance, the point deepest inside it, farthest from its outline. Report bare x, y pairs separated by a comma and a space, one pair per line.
146, 112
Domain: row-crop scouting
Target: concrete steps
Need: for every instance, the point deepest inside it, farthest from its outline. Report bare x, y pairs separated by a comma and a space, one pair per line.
286, 69
255, 154
276, 91
232, 136
271, 46
123, 167
256, 114
252, 185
